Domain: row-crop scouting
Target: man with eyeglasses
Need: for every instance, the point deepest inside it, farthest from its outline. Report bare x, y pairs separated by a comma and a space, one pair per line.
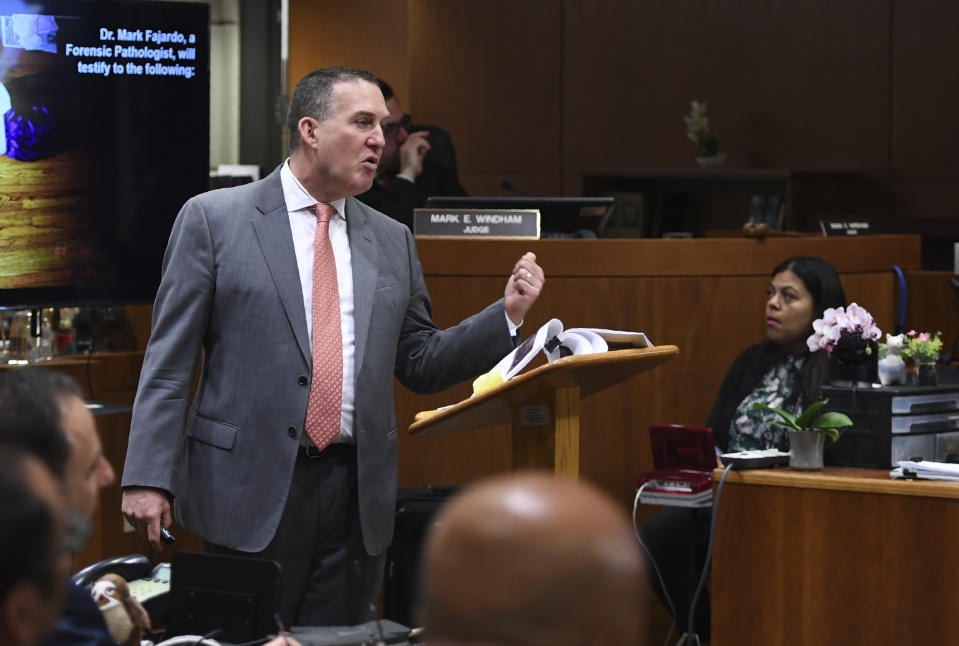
42, 411
414, 165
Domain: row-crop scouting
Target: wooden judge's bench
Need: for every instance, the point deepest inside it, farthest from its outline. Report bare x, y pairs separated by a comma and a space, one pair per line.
706, 296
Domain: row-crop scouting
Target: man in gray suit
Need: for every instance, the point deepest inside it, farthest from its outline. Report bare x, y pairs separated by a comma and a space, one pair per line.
237, 289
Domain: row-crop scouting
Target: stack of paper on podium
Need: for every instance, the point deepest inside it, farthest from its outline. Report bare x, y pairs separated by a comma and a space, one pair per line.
926, 470
555, 342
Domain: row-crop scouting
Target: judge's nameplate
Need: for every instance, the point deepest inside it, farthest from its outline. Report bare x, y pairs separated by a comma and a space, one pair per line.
477, 223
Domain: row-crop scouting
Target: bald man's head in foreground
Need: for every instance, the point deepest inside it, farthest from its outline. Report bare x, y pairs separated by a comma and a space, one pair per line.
531, 559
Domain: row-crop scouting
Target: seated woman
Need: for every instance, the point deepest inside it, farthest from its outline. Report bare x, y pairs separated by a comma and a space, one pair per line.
779, 372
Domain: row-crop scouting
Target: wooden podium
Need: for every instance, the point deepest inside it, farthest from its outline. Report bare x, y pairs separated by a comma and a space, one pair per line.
542, 405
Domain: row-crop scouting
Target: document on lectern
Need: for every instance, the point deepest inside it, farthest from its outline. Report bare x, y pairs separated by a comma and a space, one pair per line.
556, 342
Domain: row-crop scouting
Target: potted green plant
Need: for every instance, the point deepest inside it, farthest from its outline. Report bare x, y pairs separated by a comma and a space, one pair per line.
924, 348
699, 132
808, 431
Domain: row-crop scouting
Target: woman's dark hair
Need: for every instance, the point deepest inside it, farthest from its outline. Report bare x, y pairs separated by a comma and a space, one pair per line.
823, 284
819, 278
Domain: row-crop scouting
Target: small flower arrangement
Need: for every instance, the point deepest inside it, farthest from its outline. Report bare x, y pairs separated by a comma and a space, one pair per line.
922, 347
847, 329
697, 129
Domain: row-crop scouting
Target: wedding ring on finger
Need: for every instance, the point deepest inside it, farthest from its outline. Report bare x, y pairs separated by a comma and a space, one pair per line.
529, 278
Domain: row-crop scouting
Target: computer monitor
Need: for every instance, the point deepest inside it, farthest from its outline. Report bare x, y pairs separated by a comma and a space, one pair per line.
236, 595
560, 217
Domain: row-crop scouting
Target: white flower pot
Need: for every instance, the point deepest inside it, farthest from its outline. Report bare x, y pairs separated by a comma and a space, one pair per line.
712, 161
805, 450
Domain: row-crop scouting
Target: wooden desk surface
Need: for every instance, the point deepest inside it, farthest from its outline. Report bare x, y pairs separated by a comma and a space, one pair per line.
842, 479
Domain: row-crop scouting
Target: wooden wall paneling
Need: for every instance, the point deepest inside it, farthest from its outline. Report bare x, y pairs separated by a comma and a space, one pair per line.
932, 305
537, 92
928, 206
369, 34
490, 73
697, 257
530, 181
789, 85
877, 292
924, 134
816, 196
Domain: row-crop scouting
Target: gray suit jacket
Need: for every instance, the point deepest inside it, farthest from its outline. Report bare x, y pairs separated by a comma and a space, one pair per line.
230, 293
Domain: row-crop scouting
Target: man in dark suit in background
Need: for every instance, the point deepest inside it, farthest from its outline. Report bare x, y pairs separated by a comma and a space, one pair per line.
290, 446
417, 162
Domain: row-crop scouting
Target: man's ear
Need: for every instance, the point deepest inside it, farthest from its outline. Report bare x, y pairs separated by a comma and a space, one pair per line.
308, 130
18, 613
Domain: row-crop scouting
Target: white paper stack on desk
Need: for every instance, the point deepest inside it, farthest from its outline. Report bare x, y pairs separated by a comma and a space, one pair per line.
925, 470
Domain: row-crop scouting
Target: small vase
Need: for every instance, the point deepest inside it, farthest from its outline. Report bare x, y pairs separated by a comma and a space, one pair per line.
892, 371
910, 372
926, 373
711, 161
855, 366
805, 450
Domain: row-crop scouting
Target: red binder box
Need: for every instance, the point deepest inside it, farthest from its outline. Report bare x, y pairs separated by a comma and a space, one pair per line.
683, 460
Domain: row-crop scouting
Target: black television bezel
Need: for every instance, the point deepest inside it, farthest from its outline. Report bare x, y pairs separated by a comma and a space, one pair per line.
121, 292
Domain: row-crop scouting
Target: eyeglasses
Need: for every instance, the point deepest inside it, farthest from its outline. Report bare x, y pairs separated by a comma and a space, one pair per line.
390, 129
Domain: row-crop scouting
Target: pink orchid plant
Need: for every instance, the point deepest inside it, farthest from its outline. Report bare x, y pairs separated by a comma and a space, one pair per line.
838, 322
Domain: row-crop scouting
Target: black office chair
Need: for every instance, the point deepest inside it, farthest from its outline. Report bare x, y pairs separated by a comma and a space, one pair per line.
130, 567
440, 172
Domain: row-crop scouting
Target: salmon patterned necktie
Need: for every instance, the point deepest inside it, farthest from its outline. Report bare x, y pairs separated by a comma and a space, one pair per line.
326, 389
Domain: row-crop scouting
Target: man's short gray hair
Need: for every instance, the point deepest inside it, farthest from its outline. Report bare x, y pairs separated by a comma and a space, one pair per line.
313, 97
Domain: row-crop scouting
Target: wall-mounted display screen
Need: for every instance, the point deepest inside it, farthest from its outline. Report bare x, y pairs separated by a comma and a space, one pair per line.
104, 135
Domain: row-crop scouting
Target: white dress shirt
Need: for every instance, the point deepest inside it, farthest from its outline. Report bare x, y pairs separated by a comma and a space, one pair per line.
299, 205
